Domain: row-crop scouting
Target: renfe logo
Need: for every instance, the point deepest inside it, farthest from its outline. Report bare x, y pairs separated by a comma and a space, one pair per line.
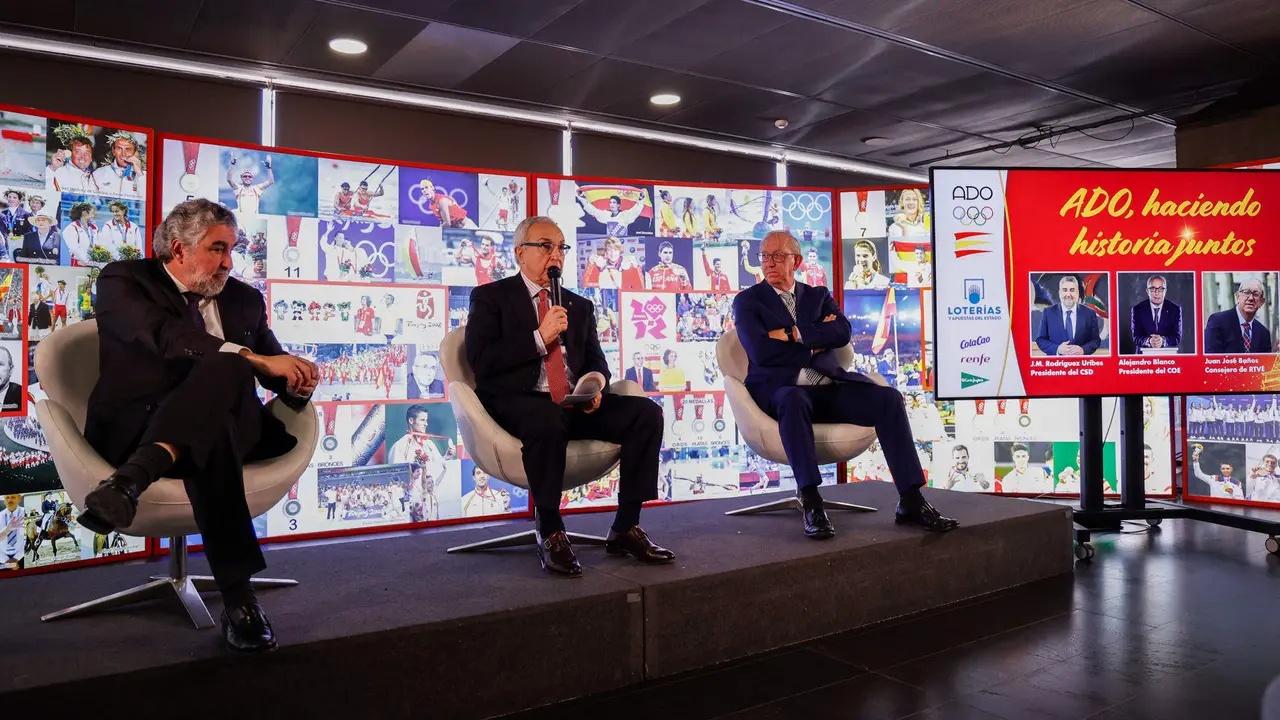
970, 192
968, 380
978, 360
974, 342
975, 292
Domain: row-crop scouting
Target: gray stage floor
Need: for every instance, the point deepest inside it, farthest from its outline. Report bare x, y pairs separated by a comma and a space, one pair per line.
398, 623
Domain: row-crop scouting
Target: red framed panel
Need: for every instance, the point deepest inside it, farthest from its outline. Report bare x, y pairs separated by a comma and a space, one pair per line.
29, 140
1253, 164
355, 277
974, 449
696, 464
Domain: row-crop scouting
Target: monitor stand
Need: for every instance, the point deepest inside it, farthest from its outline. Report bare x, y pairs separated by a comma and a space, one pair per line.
1095, 515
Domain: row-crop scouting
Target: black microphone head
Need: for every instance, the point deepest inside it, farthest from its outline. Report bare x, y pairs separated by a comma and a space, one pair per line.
553, 272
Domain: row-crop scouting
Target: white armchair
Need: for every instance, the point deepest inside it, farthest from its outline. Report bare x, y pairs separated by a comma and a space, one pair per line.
67, 365
498, 453
834, 442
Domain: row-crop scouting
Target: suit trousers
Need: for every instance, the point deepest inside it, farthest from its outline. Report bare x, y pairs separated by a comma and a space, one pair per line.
217, 422
798, 407
545, 428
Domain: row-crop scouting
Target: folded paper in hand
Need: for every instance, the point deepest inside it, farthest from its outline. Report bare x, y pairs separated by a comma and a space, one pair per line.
588, 386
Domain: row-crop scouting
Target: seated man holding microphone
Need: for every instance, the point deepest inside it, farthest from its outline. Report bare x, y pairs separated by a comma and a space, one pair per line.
527, 352
787, 329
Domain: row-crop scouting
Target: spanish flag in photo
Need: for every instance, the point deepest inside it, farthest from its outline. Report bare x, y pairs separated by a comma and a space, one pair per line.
8, 281
906, 252
882, 328
599, 195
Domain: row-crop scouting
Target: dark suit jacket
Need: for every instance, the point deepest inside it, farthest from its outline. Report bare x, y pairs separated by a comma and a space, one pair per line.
646, 379
148, 342
775, 363
1223, 334
12, 394
500, 345
434, 390
1143, 325
1053, 331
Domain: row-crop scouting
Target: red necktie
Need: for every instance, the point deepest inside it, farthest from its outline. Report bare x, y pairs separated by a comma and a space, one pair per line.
1247, 335
557, 383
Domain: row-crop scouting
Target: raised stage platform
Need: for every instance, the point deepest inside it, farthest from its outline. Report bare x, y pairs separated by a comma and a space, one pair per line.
393, 626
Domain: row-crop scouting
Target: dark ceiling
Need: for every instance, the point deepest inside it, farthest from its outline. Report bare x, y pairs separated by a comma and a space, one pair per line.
935, 77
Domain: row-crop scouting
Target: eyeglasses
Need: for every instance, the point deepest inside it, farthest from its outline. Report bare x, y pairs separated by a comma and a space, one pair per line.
1155, 289
548, 247
778, 258
1250, 294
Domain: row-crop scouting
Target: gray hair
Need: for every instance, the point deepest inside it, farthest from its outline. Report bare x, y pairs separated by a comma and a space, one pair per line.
7, 354
188, 222
793, 245
1157, 277
522, 230
1240, 287
1068, 278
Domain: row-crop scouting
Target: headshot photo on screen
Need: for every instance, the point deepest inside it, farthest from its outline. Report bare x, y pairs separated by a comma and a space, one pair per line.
1239, 313
1069, 314
1218, 470
1157, 312
867, 260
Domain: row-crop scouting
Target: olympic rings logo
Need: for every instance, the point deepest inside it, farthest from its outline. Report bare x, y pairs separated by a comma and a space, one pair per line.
417, 197
382, 262
973, 215
807, 206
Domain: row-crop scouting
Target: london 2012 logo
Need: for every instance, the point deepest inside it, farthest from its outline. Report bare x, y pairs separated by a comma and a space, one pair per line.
974, 305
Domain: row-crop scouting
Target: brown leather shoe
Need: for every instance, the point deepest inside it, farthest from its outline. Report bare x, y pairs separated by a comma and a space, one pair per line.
636, 543
556, 554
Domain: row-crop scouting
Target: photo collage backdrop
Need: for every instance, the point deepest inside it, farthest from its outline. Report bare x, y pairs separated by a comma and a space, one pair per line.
74, 197
1233, 440
365, 266
662, 263
1014, 446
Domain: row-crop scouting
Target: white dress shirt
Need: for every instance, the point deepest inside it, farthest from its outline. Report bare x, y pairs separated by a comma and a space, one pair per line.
209, 311
533, 289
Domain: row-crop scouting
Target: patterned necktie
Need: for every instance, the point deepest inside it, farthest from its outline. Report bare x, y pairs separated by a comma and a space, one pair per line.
1248, 336
553, 361
193, 306
1070, 335
1157, 318
811, 376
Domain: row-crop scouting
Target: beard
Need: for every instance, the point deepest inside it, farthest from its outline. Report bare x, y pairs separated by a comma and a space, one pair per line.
210, 284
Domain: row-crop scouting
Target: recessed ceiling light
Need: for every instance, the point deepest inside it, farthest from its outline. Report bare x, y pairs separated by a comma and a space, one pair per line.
877, 141
781, 123
347, 46
665, 99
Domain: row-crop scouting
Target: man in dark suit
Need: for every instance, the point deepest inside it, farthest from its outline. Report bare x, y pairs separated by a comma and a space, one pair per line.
1156, 322
422, 381
1237, 331
10, 392
1069, 328
789, 331
527, 354
640, 374
180, 346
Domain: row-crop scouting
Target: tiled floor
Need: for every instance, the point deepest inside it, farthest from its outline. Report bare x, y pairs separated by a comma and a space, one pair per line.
1179, 623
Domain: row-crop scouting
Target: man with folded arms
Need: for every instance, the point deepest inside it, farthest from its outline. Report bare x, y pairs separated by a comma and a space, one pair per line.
180, 346
527, 354
790, 331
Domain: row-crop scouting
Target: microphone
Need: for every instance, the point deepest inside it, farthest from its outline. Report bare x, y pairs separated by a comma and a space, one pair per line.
553, 274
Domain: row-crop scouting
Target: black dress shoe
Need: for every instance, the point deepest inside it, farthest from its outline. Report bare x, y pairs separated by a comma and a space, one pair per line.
247, 629
924, 515
556, 554
114, 502
88, 520
636, 543
817, 525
